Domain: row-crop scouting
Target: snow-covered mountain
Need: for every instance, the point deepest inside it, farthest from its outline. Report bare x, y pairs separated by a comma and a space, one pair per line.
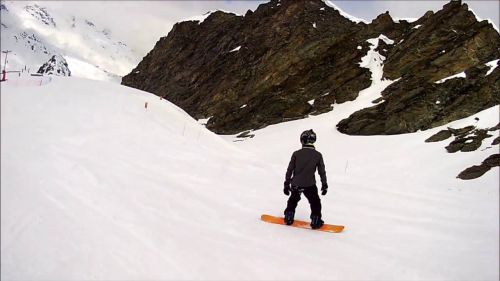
34, 34
97, 186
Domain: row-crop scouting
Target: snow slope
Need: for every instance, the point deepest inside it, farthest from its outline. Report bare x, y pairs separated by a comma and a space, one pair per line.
96, 186
34, 34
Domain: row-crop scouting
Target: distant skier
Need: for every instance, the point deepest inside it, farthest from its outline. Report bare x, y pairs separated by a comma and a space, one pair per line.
300, 179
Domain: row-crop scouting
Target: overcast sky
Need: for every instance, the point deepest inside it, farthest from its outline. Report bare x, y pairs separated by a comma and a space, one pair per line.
142, 23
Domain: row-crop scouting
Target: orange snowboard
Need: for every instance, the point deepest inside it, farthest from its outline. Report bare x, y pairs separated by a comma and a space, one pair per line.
302, 224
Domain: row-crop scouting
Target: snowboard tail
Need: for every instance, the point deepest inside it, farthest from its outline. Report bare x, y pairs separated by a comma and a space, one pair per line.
302, 224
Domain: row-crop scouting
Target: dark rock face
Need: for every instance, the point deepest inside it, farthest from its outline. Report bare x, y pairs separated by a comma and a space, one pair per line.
448, 42
440, 136
290, 52
412, 104
289, 59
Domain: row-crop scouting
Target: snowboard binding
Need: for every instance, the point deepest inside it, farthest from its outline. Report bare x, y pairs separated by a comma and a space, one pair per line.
316, 222
289, 217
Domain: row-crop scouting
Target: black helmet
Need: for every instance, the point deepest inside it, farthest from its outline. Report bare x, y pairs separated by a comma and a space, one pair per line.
308, 137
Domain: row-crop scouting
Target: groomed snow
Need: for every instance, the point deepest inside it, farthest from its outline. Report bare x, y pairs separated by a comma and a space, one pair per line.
96, 186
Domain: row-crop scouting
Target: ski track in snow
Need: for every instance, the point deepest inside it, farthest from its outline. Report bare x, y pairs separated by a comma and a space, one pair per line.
125, 192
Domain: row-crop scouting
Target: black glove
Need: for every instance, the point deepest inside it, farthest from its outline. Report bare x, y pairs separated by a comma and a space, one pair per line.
324, 189
286, 189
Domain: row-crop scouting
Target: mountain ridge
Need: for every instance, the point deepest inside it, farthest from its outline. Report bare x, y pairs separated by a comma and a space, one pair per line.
293, 52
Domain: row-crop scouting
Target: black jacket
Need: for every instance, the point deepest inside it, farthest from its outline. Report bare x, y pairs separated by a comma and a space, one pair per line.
303, 165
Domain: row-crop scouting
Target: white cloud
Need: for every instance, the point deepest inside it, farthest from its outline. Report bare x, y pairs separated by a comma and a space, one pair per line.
141, 23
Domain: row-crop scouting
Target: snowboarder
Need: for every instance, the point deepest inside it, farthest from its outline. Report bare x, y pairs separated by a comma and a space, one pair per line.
300, 179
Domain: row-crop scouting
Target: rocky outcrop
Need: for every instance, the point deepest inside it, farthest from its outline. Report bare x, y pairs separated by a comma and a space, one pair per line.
446, 43
289, 59
468, 139
440, 136
478, 170
56, 65
413, 104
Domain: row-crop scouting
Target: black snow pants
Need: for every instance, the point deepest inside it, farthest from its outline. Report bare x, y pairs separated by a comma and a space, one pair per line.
312, 196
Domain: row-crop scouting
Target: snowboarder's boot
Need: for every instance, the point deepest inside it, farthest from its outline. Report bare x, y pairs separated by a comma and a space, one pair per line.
289, 217
316, 222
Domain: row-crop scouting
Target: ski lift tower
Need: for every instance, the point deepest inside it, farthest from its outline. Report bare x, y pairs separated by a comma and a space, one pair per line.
4, 73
